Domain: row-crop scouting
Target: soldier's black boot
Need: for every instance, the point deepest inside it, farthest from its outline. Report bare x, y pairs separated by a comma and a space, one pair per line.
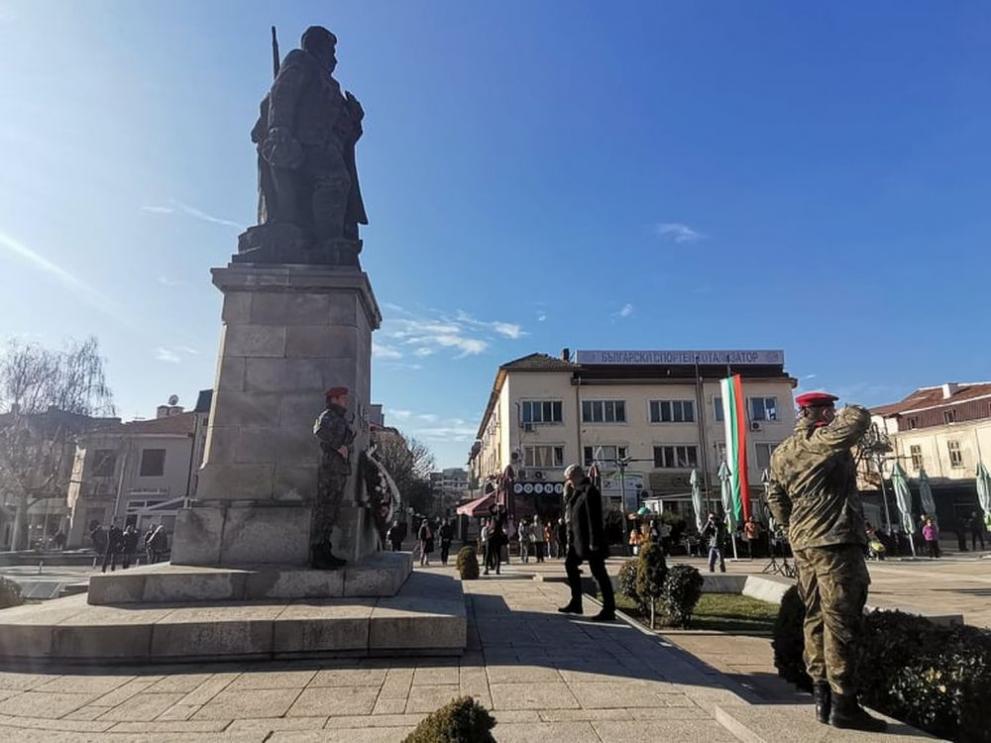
824, 700
571, 608
323, 558
848, 714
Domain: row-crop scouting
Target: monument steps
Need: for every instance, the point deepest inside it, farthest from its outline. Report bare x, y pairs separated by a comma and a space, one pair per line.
426, 617
379, 575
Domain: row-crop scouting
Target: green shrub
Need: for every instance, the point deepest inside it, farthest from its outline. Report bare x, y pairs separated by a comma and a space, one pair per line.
934, 677
467, 563
461, 720
789, 640
682, 589
651, 570
628, 583
10, 593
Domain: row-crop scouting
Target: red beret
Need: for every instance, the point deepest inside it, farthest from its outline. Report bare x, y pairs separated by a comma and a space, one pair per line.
336, 392
815, 400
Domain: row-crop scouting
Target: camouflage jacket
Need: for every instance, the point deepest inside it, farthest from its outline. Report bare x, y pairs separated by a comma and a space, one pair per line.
813, 488
332, 429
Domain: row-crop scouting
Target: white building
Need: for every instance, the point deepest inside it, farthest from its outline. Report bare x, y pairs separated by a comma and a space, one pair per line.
658, 411
141, 472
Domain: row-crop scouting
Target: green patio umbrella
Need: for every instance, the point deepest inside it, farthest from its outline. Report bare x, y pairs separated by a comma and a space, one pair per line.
984, 489
903, 497
697, 503
926, 493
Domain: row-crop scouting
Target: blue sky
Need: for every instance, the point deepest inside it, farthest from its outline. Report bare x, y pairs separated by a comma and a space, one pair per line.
812, 177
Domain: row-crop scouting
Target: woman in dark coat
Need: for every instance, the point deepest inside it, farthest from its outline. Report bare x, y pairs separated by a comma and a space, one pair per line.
586, 543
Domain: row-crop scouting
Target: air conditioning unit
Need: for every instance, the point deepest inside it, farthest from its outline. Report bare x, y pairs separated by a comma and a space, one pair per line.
755, 426
528, 427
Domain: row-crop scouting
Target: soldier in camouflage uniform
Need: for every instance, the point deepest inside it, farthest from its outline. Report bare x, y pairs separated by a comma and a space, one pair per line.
813, 495
335, 436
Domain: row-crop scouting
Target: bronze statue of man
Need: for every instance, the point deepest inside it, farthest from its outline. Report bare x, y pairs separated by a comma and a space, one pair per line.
336, 436
306, 137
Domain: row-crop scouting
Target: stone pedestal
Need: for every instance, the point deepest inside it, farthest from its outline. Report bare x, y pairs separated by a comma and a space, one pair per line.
290, 332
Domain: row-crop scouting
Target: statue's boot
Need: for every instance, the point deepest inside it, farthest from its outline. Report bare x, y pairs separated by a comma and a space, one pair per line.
824, 700
847, 713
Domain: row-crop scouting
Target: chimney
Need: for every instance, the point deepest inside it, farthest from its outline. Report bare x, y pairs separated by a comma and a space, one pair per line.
950, 389
566, 354
162, 411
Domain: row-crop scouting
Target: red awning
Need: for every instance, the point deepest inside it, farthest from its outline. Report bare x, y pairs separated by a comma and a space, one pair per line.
477, 507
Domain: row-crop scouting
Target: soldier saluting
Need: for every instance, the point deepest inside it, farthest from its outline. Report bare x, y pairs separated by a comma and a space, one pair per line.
336, 436
813, 495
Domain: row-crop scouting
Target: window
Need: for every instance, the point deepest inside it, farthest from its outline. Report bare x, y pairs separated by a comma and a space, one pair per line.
604, 454
103, 462
717, 408
720, 453
672, 411
764, 452
541, 411
956, 456
152, 463
543, 456
916, 453
676, 457
913, 422
603, 411
949, 416
763, 408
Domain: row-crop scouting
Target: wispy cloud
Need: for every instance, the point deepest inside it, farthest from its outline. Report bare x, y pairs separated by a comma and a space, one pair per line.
541, 316
432, 331
625, 311
678, 232
166, 281
178, 207
400, 414
509, 330
167, 355
83, 291
174, 354
385, 353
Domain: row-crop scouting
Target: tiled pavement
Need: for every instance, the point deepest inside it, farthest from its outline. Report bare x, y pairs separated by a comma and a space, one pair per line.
546, 677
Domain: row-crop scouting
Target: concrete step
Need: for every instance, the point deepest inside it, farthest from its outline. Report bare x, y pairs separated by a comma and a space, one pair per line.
381, 574
796, 723
426, 617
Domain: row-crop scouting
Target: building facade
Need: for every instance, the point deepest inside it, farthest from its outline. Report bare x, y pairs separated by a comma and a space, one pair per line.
448, 488
647, 419
140, 473
944, 431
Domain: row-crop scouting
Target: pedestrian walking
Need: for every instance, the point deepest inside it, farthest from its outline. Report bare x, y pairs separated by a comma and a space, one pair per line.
523, 534
129, 545
159, 543
813, 495
98, 538
976, 530
751, 534
562, 537
538, 535
930, 535
426, 538
446, 533
395, 536
586, 543
714, 536
497, 540
115, 544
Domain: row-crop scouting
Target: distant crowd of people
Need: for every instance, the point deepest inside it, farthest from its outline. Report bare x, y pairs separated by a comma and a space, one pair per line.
114, 544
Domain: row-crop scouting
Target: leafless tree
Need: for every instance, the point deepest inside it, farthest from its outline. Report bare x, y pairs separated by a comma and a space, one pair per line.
410, 463
47, 397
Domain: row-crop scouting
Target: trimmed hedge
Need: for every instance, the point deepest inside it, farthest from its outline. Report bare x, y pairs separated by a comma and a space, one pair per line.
467, 563
651, 570
628, 583
934, 677
461, 720
10, 593
682, 590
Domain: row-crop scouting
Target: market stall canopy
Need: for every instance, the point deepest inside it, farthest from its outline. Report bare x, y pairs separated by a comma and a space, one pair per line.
477, 507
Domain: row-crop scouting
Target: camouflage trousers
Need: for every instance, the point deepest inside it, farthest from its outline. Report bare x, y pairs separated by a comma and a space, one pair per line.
832, 582
331, 482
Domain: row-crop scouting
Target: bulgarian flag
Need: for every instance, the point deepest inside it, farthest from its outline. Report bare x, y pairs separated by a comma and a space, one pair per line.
735, 419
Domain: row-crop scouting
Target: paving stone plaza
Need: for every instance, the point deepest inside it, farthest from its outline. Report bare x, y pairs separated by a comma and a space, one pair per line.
545, 676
